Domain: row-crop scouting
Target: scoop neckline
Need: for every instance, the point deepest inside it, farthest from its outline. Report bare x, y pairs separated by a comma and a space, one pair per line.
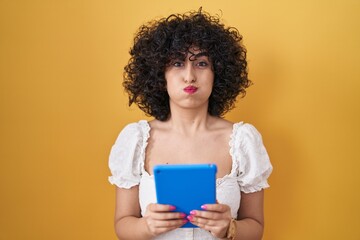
145, 126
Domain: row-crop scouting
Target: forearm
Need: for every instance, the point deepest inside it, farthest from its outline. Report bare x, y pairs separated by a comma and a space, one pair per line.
132, 228
249, 229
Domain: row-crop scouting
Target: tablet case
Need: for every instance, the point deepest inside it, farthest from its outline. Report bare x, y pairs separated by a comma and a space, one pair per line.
186, 187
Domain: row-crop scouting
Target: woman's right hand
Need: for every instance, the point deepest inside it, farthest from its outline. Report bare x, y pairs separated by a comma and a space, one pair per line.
160, 218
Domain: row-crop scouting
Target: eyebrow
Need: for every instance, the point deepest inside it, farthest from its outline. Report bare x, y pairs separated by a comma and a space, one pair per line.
194, 56
181, 56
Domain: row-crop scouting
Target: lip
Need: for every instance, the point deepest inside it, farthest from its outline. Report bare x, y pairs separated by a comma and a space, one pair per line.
190, 89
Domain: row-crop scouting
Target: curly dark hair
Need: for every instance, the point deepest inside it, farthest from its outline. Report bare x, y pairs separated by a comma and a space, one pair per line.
159, 42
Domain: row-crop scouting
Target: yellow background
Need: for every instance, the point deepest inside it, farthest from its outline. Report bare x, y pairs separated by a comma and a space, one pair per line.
62, 106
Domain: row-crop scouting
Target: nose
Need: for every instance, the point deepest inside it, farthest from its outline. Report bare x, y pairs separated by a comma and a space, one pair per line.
189, 74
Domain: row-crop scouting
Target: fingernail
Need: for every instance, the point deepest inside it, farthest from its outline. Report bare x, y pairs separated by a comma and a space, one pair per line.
182, 215
185, 221
193, 212
190, 218
172, 208
204, 207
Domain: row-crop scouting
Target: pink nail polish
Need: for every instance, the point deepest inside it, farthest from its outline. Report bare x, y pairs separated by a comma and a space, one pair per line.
185, 221
204, 207
172, 208
182, 215
193, 212
190, 218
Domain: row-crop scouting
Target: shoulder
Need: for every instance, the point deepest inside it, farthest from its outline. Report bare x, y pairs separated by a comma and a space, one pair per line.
133, 135
137, 126
220, 124
135, 129
157, 124
238, 129
246, 130
246, 139
223, 123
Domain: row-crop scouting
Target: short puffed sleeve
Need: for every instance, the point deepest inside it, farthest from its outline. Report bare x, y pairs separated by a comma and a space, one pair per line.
253, 163
126, 156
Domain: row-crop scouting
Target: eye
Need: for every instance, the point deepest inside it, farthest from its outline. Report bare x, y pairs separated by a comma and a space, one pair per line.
178, 63
202, 64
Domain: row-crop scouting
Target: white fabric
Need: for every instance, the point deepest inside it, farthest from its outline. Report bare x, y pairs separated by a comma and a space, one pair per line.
250, 169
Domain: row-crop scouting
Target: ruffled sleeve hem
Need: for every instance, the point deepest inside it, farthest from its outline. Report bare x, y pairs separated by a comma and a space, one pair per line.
122, 183
257, 188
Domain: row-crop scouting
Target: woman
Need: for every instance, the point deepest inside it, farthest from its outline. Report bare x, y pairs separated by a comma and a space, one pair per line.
187, 71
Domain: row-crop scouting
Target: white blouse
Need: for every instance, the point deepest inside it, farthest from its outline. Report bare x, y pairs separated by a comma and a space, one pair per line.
250, 169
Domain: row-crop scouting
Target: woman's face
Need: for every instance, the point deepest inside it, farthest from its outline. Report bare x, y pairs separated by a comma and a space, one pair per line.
190, 80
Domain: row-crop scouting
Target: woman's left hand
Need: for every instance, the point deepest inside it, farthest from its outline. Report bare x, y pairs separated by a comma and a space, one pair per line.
215, 218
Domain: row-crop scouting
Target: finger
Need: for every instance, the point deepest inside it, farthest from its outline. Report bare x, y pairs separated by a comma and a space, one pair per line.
167, 215
169, 223
160, 230
155, 207
216, 228
203, 226
201, 222
216, 207
207, 214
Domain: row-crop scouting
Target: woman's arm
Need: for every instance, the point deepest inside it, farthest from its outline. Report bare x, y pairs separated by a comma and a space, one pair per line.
250, 224
217, 217
128, 222
130, 225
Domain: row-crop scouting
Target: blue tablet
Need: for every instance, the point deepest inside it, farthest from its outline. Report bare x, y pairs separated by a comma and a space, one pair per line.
186, 187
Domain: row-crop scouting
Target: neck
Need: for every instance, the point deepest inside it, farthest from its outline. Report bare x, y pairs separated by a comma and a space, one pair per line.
189, 121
